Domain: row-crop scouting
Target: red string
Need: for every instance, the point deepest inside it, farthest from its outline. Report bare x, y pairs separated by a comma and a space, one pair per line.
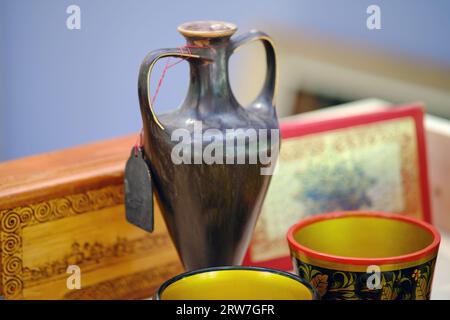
160, 82
168, 66
139, 142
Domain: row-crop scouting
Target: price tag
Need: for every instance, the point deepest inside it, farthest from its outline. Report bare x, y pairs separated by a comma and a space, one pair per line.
138, 190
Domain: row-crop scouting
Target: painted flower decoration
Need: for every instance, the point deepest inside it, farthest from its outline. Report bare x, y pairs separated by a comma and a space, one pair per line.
416, 275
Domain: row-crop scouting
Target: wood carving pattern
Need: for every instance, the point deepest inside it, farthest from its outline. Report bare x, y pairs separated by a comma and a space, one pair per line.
62, 207
95, 254
141, 282
13, 220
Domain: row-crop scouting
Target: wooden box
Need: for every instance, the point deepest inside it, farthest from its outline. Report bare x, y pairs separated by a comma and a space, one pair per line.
66, 208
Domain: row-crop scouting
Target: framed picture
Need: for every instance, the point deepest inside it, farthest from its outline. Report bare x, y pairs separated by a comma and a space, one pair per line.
370, 161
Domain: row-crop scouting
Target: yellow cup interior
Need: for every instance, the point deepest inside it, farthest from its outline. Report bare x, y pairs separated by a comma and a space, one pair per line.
364, 237
236, 285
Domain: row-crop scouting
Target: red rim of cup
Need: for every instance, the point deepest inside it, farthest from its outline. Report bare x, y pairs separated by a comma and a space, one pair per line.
414, 256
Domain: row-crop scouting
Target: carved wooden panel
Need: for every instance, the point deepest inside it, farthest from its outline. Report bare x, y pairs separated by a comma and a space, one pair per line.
76, 217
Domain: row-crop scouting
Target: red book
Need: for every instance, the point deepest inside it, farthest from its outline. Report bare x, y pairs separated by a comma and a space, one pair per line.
339, 159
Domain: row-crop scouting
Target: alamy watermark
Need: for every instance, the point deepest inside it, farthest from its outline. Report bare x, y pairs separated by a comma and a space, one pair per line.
74, 280
232, 146
373, 21
73, 21
374, 280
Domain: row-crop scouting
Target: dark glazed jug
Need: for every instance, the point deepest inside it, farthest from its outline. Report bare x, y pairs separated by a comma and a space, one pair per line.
210, 208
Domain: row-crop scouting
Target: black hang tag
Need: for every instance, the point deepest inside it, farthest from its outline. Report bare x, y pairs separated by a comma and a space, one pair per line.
138, 191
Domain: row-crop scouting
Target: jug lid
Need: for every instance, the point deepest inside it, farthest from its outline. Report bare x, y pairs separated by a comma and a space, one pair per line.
207, 29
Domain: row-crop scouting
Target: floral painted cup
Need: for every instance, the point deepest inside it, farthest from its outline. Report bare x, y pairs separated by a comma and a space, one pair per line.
365, 255
236, 283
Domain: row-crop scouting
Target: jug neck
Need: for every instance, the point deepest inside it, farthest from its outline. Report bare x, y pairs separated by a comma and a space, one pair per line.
209, 89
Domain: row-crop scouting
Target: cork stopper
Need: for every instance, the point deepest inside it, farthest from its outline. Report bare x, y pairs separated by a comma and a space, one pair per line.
207, 29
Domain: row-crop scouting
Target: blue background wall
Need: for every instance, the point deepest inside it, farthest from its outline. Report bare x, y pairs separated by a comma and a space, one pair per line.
61, 87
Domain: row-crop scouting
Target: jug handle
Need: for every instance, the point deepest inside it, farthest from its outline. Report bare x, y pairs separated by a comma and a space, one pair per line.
145, 71
268, 92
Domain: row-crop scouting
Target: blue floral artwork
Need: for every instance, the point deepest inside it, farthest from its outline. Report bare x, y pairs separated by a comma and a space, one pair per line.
343, 186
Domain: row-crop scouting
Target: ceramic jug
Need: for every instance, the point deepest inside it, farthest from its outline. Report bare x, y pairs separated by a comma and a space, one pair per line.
210, 208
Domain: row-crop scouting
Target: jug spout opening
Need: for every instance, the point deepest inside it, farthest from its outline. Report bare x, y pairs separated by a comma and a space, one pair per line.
207, 29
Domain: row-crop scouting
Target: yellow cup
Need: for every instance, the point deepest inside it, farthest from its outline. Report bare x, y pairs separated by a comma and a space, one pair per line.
365, 255
236, 283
